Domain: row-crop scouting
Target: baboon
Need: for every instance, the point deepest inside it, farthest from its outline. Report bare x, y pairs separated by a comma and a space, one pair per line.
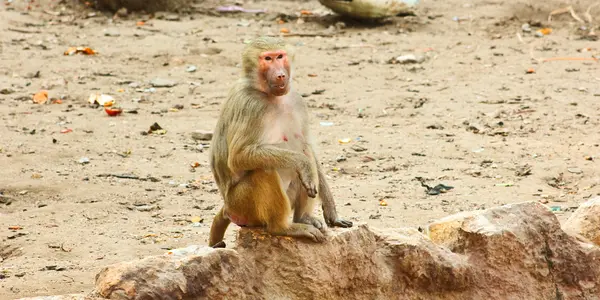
261, 153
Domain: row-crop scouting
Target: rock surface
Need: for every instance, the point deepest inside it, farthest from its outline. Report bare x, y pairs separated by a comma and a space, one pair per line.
520, 252
511, 252
585, 221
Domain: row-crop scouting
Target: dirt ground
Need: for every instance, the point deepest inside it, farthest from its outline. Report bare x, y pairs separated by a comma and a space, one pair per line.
469, 116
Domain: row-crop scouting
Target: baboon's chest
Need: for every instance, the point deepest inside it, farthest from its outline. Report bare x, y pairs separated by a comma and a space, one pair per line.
283, 128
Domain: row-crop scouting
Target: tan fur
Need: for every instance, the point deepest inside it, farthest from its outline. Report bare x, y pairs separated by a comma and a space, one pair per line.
248, 170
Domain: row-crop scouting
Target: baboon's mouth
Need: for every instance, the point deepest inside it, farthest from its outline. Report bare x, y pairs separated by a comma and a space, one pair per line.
279, 86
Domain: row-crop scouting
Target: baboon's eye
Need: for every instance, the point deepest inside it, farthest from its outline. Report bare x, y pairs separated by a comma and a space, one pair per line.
280, 56
268, 58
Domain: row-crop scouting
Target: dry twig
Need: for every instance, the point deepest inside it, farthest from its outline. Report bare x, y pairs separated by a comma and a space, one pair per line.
568, 9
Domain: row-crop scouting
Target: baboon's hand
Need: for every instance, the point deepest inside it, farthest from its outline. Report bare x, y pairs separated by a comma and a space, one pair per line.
308, 180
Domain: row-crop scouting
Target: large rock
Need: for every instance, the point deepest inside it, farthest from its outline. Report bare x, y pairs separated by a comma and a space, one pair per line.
511, 252
521, 253
585, 221
357, 262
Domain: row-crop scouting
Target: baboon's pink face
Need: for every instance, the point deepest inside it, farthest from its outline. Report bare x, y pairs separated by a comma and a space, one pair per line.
274, 72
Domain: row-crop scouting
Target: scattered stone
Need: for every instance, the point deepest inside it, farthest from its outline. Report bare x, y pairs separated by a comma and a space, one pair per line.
4, 199
162, 83
340, 158
16, 235
475, 128
53, 268
134, 84
523, 170
408, 59
191, 69
206, 51
31, 75
202, 135
7, 91
172, 17
155, 128
145, 208
111, 32
435, 126
358, 148
366, 159
84, 160
575, 170
526, 27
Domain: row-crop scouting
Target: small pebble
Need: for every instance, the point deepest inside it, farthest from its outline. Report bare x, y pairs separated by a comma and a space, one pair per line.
191, 69
162, 83
111, 32
202, 135
172, 17
358, 148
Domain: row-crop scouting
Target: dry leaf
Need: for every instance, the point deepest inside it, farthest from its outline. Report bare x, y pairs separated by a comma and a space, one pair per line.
545, 31
41, 97
101, 99
80, 50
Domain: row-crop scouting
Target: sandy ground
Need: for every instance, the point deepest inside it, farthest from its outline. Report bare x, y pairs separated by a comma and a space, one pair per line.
468, 117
